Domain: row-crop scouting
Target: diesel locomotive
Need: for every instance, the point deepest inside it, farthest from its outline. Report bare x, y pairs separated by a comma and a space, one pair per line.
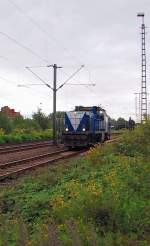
85, 126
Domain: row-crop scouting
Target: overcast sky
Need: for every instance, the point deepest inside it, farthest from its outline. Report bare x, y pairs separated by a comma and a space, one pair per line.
102, 35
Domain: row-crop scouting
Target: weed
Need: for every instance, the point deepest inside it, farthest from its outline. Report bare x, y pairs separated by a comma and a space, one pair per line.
102, 199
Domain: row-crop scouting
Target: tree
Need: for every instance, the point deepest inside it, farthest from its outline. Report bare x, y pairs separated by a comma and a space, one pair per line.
121, 123
21, 123
5, 123
18, 122
41, 119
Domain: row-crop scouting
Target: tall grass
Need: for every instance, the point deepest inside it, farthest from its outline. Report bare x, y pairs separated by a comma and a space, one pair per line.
102, 199
22, 136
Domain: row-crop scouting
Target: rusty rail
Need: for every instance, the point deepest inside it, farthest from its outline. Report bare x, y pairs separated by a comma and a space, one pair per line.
14, 168
22, 147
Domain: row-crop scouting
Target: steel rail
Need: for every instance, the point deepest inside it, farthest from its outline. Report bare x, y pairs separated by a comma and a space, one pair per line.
38, 157
17, 148
17, 167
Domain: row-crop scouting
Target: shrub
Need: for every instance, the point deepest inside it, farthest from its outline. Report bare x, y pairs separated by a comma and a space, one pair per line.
101, 199
2, 132
21, 136
41, 119
5, 123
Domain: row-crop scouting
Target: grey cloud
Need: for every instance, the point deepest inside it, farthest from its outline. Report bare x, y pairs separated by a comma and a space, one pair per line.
103, 35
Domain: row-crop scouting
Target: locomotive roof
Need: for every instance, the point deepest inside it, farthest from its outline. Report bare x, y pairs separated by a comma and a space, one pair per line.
82, 108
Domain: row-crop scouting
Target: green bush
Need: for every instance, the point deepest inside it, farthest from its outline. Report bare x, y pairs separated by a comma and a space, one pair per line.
41, 119
25, 126
2, 141
22, 137
101, 199
28, 125
5, 123
135, 142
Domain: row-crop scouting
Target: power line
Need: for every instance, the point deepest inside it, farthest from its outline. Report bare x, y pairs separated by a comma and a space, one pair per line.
23, 46
4, 58
42, 95
43, 30
54, 89
26, 85
38, 66
30, 18
10, 81
33, 53
37, 76
90, 84
12, 62
17, 65
16, 83
42, 80
72, 75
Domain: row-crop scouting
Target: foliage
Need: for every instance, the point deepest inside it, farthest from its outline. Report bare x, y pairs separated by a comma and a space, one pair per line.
101, 199
5, 123
22, 129
27, 124
2, 132
59, 114
135, 143
120, 123
41, 119
22, 135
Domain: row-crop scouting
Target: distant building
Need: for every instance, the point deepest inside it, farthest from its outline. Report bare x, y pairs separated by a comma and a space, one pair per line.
11, 113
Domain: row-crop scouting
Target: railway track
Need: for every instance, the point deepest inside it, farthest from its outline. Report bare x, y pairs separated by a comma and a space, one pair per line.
27, 146
14, 168
22, 147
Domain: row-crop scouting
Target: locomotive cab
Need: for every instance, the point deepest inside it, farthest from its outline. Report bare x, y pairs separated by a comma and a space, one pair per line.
85, 126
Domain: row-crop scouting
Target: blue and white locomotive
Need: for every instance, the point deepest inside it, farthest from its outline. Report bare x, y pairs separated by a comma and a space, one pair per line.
86, 126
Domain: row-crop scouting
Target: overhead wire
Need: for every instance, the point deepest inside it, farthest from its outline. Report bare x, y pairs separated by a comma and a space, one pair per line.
10, 81
44, 31
37, 76
16, 83
70, 77
12, 62
23, 46
1, 57
30, 50
4, 58
30, 18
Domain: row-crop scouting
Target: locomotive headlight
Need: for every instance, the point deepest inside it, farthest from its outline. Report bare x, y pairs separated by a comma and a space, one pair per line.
83, 129
66, 129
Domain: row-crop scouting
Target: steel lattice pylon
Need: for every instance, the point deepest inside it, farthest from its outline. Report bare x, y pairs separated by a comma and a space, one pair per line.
143, 78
